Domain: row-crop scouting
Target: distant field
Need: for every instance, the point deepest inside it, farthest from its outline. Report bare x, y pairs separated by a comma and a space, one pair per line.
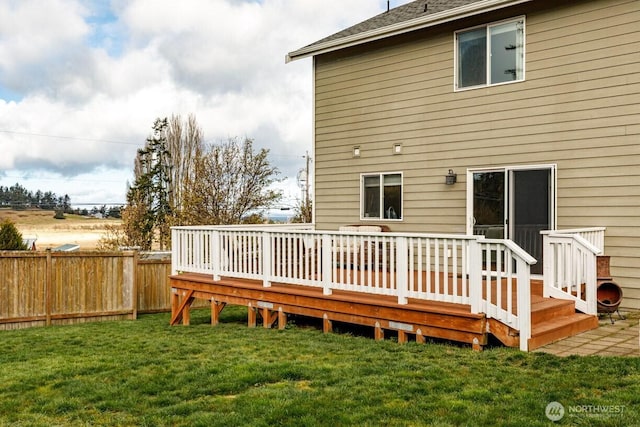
51, 232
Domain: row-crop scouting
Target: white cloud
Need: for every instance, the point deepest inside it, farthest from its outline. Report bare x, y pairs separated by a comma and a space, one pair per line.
100, 75
33, 33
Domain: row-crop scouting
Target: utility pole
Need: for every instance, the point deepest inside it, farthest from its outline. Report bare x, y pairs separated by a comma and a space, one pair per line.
306, 186
303, 183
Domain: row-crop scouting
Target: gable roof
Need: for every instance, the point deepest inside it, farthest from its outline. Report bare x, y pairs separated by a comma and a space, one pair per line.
402, 19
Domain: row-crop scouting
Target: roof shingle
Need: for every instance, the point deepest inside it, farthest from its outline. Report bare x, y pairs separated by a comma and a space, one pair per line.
407, 12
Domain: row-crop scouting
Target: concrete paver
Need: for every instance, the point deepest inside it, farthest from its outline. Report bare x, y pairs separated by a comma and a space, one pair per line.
621, 338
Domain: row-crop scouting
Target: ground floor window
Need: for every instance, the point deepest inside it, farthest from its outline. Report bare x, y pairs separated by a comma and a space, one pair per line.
381, 196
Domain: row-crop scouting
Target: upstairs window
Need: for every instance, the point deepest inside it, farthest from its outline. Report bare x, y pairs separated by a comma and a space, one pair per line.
490, 55
381, 196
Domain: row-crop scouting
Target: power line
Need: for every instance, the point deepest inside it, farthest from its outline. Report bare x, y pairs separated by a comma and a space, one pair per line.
54, 203
72, 138
63, 180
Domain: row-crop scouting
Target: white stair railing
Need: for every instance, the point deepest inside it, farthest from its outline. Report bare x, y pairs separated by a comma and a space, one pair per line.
570, 266
505, 291
593, 235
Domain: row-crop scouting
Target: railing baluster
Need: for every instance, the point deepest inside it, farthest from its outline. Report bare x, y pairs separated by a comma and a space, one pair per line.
384, 261
509, 266
363, 253
411, 265
436, 264
402, 269
379, 248
430, 293
266, 260
499, 275
457, 292
420, 262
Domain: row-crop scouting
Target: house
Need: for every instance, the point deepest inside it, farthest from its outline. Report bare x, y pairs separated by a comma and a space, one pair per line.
529, 109
29, 242
497, 143
67, 247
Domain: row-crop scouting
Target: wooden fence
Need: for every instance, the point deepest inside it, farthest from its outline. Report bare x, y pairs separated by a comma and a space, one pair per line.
53, 288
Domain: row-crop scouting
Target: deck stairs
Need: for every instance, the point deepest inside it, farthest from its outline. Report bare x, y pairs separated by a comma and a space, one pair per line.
551, 320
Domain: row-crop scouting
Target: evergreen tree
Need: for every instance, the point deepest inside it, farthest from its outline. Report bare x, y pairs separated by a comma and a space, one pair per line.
10, 237
148, 198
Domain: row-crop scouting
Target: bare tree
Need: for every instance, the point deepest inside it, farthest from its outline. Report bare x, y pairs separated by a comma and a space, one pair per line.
184, 143
231, 184
180, 180
303, 211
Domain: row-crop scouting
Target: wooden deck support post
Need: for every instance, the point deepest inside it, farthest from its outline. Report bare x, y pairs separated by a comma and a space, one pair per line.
419, 337
402, 337
264, 313
282, 319
186, 316
216, 309
251, 321
180, 309
378, 332
476, 346
327, 325
175, 302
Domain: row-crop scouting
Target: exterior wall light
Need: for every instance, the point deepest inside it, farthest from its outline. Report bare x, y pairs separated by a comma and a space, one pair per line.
356, 151
451, 178
397, 148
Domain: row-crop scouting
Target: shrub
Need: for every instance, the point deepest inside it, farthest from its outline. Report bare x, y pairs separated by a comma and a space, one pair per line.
10, 237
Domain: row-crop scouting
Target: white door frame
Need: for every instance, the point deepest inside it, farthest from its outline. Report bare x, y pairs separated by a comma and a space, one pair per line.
508, 170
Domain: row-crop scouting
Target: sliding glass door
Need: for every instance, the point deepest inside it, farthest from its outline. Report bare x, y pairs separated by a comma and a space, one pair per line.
513, 203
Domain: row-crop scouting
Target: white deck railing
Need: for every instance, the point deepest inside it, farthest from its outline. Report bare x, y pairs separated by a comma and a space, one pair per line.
570, 265
487, 274
506, 285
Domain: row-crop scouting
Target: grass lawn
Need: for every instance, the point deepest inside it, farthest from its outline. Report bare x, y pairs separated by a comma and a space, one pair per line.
147, 373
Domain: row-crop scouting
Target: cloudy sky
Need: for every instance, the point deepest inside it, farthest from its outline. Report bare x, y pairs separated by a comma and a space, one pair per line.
81, 82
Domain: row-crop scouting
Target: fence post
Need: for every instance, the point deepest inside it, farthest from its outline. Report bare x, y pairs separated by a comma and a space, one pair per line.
134, 279
48, 283
474, 260
402, 265
326, 253
266, 259
216, 254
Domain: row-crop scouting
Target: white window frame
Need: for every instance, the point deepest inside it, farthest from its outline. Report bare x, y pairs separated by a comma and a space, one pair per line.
488, 54
381, 217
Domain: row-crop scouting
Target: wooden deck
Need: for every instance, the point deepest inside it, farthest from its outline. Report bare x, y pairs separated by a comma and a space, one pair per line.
552, 319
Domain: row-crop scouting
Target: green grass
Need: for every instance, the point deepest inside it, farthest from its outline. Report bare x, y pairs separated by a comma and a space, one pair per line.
147, 373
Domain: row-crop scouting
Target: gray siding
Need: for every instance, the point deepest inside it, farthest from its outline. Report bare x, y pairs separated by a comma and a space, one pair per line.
579, 108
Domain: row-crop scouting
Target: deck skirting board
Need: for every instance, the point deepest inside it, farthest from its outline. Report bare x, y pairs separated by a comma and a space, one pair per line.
418, 318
